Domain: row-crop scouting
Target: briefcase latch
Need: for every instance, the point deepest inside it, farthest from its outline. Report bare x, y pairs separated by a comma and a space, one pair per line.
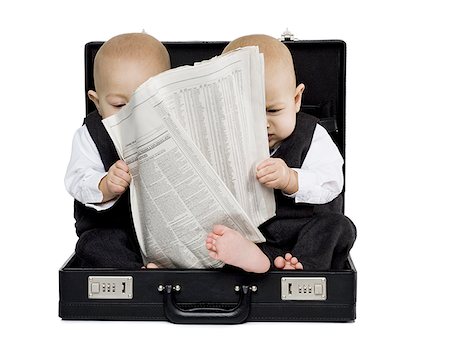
304, 288
110, 287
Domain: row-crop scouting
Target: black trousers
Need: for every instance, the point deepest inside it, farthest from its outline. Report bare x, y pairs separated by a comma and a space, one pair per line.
108, 247
321, 242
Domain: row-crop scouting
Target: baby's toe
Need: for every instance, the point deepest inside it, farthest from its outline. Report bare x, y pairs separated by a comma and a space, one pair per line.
279, 262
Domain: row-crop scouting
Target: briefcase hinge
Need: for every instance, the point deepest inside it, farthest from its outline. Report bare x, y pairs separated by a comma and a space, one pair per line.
287, 35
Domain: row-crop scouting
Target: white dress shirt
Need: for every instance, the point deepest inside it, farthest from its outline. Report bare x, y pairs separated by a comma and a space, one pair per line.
320, 179
85, 171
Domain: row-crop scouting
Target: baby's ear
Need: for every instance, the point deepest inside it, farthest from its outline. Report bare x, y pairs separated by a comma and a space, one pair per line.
298, 96
94, 97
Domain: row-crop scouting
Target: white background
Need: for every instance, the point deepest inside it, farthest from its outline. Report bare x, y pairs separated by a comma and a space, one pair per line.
398, 129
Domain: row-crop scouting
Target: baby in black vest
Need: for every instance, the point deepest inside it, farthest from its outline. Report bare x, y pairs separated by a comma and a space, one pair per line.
95, 177
309, 230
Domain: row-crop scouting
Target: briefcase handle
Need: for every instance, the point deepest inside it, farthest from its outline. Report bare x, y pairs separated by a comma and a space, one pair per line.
209, 315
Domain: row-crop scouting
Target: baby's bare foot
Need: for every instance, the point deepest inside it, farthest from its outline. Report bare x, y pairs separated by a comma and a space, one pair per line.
232, 248
288, 262
150, 265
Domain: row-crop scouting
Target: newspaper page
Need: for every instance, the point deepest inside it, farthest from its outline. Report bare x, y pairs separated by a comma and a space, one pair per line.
221, 106
176, 194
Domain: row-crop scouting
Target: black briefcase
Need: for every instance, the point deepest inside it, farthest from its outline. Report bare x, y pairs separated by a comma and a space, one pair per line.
225, 295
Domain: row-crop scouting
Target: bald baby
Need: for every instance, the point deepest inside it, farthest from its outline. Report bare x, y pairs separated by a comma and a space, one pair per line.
283, 101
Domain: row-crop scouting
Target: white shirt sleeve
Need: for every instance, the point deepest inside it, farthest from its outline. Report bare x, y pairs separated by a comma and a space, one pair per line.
320, 178
85, 171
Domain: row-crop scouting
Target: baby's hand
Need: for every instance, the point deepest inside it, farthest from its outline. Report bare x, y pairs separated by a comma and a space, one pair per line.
116, 181
274, 173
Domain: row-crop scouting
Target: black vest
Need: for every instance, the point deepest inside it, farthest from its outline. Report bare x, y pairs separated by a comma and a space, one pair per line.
119, 215
293, 151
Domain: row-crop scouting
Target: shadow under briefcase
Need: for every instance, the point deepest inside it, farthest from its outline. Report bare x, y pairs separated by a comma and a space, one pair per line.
225, 295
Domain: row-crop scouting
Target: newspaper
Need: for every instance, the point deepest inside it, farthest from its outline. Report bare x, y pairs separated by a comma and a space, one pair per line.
192, 137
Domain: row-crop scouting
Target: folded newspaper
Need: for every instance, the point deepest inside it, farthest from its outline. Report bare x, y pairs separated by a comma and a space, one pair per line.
192, 137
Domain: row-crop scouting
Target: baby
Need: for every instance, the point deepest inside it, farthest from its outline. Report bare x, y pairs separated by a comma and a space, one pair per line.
305, 170
95, 176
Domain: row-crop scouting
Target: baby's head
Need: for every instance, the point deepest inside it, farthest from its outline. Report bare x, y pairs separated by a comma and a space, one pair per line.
122, 64
283, 96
